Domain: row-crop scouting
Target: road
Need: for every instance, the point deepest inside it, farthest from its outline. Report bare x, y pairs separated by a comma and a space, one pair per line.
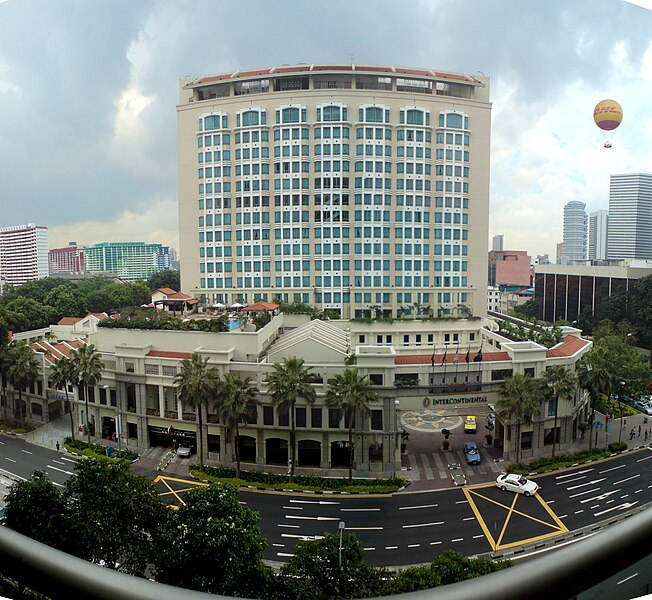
409, 528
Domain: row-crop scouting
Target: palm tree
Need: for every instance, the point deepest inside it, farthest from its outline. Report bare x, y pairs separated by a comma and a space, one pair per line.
517, 402
62, 374
563, 384
22, 370
197, 385
288, 382
596, 376
234, 398
349, 393
88, 367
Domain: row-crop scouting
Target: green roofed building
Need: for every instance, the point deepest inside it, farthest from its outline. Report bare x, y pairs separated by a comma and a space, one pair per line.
130, 260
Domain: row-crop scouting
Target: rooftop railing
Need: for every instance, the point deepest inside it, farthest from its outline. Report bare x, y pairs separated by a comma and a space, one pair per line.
559, 574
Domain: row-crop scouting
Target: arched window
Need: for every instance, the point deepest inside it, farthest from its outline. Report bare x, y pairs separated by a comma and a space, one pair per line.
414, 117
291, 115
331, 113
250, 118
373, 114
454, 121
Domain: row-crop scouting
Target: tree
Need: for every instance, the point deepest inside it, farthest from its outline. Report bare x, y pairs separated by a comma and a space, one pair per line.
22, 370
197, 385
88, 367
167, 278
349, 393
563, 384
316, 571
63, 374
36, 508
287, 383
113, 515
214, 544
517, 402
4, 361
234, 398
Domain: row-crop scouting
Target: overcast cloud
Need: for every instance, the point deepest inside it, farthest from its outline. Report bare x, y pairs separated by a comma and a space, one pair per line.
88, 93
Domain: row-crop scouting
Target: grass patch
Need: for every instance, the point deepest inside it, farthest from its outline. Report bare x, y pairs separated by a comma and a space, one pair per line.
301, 483
97, 450
17, 428
562, 461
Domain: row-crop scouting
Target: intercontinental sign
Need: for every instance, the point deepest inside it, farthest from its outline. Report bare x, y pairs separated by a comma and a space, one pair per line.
456, 400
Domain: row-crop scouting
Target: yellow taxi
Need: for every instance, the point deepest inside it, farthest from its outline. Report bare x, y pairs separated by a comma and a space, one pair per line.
470, 424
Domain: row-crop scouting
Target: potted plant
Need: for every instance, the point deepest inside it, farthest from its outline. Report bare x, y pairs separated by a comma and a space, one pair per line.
446, 443
489, 438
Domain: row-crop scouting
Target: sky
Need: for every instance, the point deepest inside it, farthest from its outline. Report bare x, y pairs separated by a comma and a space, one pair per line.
88, 94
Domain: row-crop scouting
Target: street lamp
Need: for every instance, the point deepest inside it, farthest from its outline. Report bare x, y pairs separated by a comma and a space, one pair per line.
397, 403
341, 527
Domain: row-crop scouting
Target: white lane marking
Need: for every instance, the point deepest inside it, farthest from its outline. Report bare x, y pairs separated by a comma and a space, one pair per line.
475, 537
646, 458
420, 506
59, 470
359, 509
627, 578
462, 502
579, 485
600, 497
57, 461
279, 545
458, 540
391, 547
368, 549
619, 507
638, 491
313, 502
13, 474
575, 473
577, 512
586, 492
27, 452
364, 528
288, 526
550, 501
434, 543
293, 507
423, 525
562, 516
10, 459
242, 502
628, 479
72, 460
610, 501
58, 484
414, 545
303, 538
594, 506
312, 518
570, 480
612, 469
284, 554
469, 519
624, 496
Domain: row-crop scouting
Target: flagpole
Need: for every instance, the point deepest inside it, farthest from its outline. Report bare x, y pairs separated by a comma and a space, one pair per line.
432, 370
456, 359
443, 362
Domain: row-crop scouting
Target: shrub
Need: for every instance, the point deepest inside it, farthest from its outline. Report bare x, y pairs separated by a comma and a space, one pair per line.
617, 446
95, 450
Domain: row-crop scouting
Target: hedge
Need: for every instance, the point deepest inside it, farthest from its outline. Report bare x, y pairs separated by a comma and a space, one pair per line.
561, 461
81, 447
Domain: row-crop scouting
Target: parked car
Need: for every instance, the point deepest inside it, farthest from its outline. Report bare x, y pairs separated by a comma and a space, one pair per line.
644, 405
184, 450
470, 424
471, 453
517, 483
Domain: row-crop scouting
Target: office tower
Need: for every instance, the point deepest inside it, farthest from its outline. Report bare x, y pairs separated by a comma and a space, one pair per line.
354, 188
630, 217
69, 259
498, 242
575, 232
598, 221
23, 253
559, 252
128, 260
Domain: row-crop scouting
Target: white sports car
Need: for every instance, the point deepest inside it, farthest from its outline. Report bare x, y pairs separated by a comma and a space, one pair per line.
517, 483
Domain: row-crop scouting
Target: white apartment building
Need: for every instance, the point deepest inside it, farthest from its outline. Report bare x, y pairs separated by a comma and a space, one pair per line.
575, 232
23, 253
598, 223
356, 188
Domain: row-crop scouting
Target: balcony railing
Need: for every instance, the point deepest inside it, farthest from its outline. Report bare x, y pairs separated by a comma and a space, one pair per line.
561, 573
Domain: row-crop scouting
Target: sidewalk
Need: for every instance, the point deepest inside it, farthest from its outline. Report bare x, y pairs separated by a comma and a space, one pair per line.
617, 428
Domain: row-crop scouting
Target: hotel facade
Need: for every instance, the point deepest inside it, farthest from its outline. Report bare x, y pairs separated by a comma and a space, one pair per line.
360, 189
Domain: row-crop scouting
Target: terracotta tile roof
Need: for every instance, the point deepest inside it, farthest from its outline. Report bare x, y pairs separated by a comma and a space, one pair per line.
166, 354
69, 320
179, 296
570, 346
166, 291
425, 359
262, 305
100, 316
53, 352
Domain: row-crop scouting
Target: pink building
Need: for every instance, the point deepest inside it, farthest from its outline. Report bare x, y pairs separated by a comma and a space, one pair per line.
69, 259
510, 268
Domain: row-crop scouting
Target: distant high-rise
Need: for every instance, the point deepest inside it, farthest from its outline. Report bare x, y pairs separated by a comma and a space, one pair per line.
498, 243
575, 232
23, 253
69, 259
598, 221
630, 217
129, 260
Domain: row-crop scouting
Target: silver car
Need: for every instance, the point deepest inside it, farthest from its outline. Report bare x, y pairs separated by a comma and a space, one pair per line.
184, 450
517, 483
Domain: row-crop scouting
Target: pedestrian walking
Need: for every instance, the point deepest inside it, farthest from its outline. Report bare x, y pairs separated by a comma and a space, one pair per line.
639, 431
58, 446
646, 435
632, 433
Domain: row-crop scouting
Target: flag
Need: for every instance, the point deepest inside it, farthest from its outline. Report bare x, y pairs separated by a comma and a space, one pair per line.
443, 360
478, 356
456, 357
432, 358
467, 358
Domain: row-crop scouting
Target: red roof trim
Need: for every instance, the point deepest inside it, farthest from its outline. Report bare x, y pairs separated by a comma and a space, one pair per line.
426, 359
166, 354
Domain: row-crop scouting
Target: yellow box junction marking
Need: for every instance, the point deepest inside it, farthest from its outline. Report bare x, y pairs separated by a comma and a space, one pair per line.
557, 528
175, 492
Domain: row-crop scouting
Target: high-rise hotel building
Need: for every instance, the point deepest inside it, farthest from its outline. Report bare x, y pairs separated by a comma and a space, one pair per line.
23, 253
363, 189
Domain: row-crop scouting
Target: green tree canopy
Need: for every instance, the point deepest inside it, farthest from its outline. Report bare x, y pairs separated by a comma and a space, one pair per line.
87, 370
22, 370
167, 278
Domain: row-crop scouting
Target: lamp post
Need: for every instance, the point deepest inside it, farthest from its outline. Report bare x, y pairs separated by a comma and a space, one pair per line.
341, 527
621, 391
397, 403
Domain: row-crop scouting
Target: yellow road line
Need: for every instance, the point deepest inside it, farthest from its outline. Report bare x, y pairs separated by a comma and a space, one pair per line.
478, 516
509, 516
